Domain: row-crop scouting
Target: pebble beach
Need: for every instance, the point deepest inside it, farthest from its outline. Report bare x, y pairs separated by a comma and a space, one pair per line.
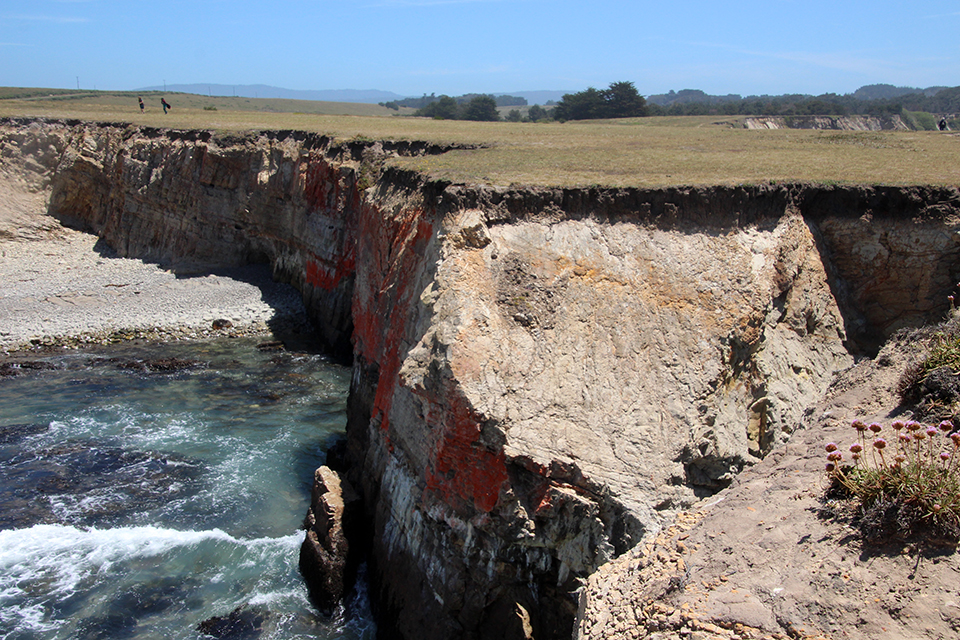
68, 289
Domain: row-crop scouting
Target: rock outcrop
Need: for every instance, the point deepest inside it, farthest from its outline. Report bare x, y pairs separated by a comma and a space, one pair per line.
840, 123
542, 378
764, 560
325, 555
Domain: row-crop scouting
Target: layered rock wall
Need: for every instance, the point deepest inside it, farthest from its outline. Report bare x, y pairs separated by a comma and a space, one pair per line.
542, 378
838, 123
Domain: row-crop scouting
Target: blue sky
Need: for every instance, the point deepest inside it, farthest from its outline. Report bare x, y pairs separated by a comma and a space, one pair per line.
412, 47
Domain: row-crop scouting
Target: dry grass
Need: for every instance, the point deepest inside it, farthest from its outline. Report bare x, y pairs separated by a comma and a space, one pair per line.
646, 152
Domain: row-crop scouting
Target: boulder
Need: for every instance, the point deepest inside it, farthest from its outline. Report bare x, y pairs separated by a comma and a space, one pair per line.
325, 552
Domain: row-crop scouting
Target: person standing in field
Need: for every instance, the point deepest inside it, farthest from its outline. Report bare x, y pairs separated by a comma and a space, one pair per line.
165, 105
140, 100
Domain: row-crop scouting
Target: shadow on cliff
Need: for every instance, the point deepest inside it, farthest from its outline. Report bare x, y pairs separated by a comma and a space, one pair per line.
289, 324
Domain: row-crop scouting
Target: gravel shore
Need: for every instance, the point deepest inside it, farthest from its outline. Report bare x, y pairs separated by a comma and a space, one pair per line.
69, 289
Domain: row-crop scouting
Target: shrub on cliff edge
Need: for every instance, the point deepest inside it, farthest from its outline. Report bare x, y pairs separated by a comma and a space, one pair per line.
904, 489
932, 384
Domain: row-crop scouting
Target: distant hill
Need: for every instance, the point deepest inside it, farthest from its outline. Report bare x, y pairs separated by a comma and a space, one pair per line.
368, 96
689, 96
866, 99
539, 97
867, 92
883, 92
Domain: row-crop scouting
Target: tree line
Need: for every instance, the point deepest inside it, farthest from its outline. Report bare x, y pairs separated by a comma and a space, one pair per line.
622, 100
872, 100
423, 101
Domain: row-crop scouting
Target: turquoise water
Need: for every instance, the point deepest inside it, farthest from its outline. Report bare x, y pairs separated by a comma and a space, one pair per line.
138, 503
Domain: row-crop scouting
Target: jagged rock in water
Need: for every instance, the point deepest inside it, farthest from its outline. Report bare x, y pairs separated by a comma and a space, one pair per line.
325, 560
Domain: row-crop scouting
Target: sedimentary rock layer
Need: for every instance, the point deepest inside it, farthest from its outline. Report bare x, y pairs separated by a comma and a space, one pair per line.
542, 378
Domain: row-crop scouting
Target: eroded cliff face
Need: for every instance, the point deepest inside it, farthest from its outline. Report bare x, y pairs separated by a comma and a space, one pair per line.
542, 378
843, 123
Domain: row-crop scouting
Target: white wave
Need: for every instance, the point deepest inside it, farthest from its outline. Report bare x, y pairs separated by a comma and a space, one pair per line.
65, 556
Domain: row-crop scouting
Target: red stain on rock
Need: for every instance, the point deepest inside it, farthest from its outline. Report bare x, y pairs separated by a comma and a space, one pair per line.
321, 276
464, 470
321, 185
324, 192
392, 247
464, 473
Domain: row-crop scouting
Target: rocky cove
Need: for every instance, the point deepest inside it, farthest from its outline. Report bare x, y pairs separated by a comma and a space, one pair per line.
569, 408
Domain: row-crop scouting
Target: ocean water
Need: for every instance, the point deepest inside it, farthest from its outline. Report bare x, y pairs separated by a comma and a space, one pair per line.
159, 491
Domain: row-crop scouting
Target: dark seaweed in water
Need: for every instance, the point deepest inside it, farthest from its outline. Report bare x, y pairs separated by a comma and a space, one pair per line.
159, 365
11, 369
103, 484
125, 611
14, 433
243, 623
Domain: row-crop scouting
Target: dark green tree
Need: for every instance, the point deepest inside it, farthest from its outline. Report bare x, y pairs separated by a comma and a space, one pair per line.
445, 108
513, 116
584, 105
537, 113
481, 108
621, 100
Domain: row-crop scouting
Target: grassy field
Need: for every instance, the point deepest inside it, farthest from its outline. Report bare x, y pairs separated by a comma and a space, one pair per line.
643, 152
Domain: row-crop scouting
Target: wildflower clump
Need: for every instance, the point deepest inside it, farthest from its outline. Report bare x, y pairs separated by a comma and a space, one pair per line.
904, 482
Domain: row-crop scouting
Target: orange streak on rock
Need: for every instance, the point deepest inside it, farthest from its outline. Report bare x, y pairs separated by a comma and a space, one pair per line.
464, 469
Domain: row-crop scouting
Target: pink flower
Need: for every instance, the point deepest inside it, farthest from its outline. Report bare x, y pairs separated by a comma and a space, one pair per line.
879, 443
856, 447
904, 438
876, 427
859, 425
913, 425
836, 456
932, 431
897, 425
831, 446
830, 467
946, 426
944, 456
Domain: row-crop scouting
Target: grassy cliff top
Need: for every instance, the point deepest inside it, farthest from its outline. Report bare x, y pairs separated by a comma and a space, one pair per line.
642, 152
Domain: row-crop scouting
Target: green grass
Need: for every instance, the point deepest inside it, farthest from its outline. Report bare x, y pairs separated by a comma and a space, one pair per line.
643, 152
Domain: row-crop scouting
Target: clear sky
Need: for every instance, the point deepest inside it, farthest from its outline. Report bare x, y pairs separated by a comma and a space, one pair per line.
412, 47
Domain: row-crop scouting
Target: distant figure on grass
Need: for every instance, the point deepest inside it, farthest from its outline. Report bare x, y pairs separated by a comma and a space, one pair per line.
165, 105
140, 100
943, 124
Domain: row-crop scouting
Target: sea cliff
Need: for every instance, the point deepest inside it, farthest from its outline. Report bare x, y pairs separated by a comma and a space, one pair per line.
543, 379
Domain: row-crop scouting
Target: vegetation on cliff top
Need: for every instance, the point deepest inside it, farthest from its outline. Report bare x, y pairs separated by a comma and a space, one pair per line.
904, 484
634, 152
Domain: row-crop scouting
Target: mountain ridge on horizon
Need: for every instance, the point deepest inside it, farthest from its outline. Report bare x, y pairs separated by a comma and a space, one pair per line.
366, 96
542, 97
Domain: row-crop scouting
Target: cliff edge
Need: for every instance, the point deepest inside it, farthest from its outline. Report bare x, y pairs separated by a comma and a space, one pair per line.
546, 382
